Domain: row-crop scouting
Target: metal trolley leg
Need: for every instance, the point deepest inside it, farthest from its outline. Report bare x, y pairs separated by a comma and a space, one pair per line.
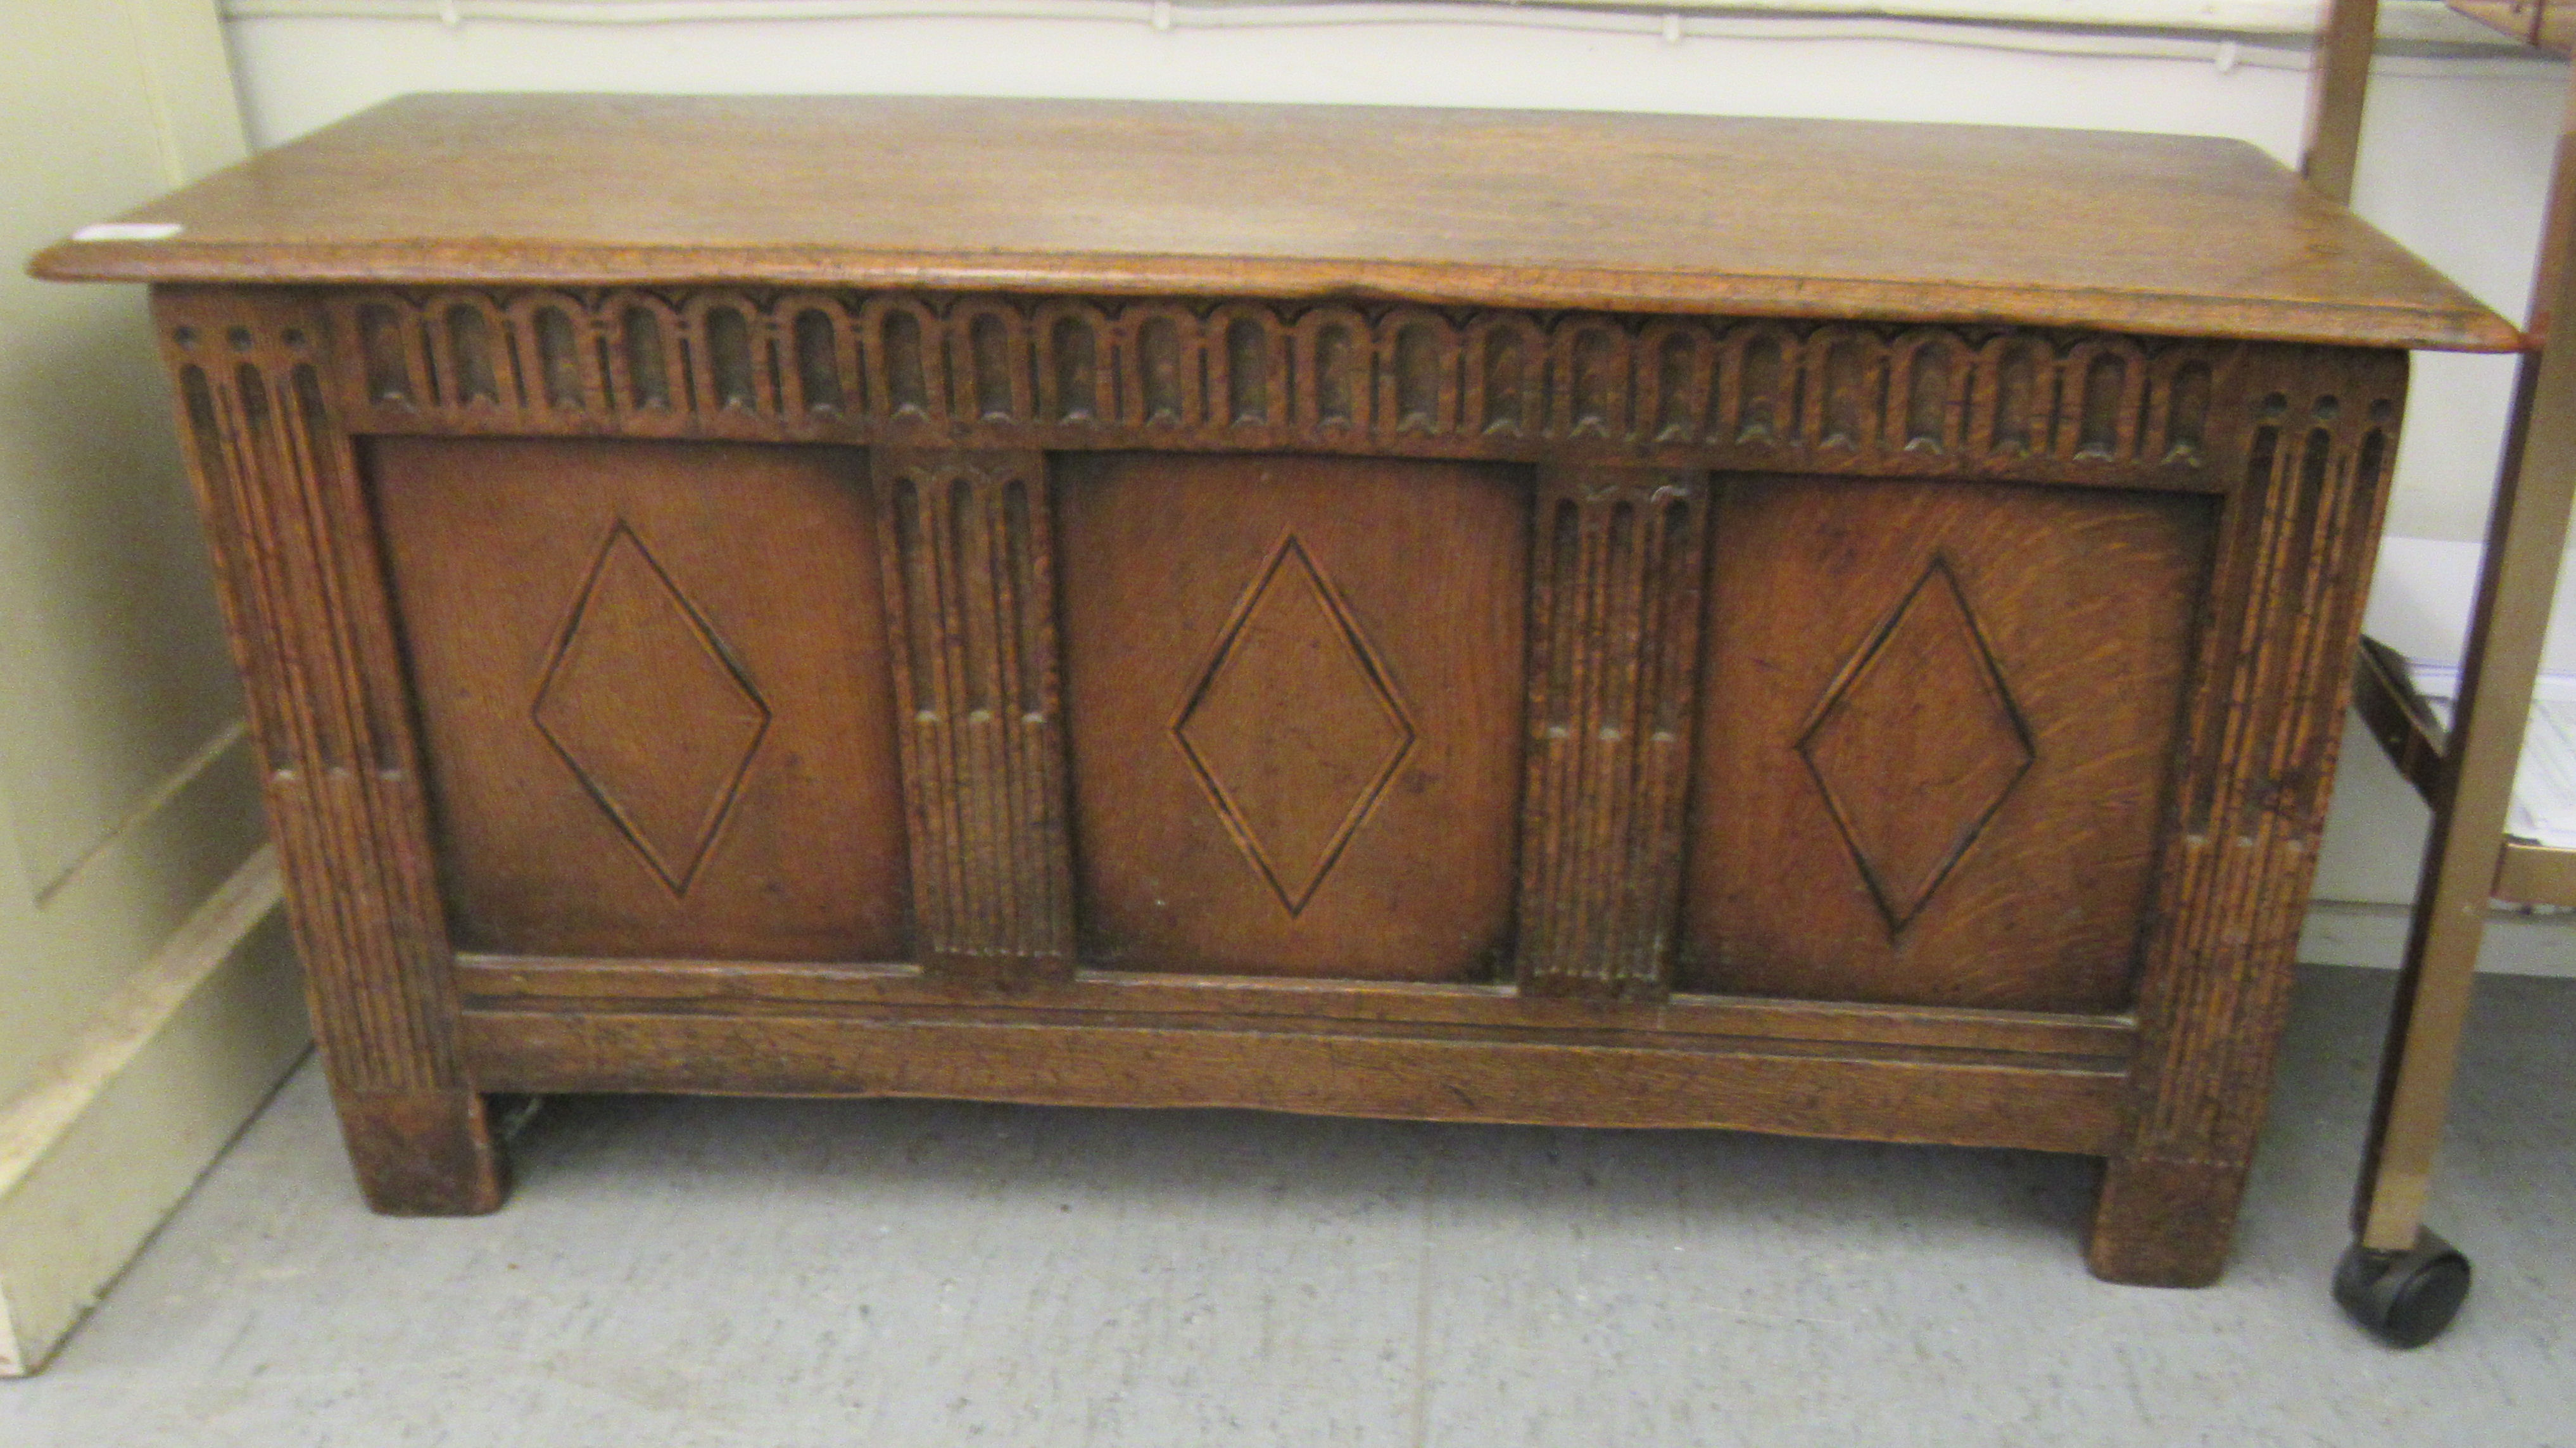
2399, 1280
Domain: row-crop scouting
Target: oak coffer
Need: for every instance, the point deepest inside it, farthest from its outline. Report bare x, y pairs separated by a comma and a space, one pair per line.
1516, 617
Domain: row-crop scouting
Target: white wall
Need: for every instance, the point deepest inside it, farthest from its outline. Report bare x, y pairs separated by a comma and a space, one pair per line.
2455, 154
147, 996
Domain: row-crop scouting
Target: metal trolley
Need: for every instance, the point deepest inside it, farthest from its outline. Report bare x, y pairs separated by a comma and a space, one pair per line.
2399, 1279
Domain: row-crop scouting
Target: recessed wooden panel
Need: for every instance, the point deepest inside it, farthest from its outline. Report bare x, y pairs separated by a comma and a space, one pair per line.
1937, 723
1294, 691
634, 750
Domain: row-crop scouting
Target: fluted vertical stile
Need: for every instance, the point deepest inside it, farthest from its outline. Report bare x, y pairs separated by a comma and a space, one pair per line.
970, 592
1614, 650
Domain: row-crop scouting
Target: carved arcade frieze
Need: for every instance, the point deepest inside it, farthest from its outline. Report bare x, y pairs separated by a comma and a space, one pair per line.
1068, 372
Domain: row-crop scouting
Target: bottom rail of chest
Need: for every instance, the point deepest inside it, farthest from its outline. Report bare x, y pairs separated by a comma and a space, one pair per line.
1475, 1054
2059, 1082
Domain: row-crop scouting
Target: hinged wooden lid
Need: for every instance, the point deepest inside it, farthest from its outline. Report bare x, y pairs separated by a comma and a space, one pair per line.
2159, 234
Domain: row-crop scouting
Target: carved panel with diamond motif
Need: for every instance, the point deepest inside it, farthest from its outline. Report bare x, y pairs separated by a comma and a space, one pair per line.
633, 750
1292, 727
1293, 686
1936, 732
648, 712
1917, 745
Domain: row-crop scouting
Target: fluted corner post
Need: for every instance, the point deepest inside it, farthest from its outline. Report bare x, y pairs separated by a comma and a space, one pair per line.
2289, 574
1615, 572
970, 598
310, 620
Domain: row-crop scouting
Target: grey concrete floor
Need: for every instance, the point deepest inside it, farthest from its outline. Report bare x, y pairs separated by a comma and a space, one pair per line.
778, 1274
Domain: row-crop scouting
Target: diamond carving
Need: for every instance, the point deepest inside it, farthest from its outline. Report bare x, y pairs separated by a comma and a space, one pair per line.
1917, 746
1291, 726
647, 710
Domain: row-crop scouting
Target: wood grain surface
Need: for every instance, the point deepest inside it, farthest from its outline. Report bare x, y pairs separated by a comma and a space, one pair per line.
633, 750
969, 544
2256, 758
1615, 574
1173, 374
558, 983
1936, 728
1295, 693
2166, 234
300, 575
1421, 1073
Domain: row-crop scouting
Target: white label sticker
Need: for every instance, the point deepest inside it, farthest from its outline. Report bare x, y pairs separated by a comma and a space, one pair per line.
129, 231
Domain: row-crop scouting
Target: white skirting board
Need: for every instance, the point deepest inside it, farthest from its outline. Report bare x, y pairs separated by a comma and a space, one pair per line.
108, 1138
2342, 933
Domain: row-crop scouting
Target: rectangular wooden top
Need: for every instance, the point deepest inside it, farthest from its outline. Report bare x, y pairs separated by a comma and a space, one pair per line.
1923, 223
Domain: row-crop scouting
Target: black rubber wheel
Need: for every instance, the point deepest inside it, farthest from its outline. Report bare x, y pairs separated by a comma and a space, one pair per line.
2405, 1298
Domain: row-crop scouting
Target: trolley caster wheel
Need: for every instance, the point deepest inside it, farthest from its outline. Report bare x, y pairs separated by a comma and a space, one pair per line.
2405, 1298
